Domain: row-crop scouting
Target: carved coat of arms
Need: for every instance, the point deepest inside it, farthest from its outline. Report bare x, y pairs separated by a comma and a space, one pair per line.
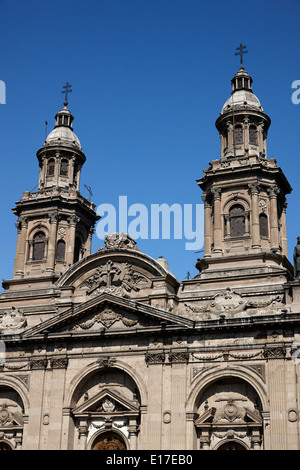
117, 278
12, 319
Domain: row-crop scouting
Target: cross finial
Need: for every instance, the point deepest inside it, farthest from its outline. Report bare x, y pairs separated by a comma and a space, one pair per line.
241, 52
67, 89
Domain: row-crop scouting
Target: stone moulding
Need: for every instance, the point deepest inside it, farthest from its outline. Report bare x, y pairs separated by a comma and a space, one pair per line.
179, 356
38, 363
159, 357
275, 352
155, 358
59, 362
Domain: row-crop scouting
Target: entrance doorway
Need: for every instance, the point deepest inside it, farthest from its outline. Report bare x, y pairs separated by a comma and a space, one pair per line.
231, 445
109, 441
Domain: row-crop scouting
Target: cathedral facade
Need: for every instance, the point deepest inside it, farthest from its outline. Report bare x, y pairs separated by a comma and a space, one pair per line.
108, 350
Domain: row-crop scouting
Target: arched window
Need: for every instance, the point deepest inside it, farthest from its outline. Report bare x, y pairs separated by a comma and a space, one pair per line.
64, 168
38, 251
238, 134
60, 250
263, 225
50, 167
237, 221
252, 135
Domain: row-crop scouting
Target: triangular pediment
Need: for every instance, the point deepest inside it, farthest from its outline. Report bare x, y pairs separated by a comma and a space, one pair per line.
107, 401
107, 312
206, 417
8, 418
211, 416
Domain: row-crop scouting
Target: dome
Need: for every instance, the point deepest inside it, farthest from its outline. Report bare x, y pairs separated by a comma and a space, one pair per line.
63, 130
242, 94
62, 135
242, 98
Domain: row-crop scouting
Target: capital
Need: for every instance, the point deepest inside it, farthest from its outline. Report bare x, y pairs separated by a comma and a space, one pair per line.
254, 188
53, 217
273, 191
216, 193
73, 219
206, 201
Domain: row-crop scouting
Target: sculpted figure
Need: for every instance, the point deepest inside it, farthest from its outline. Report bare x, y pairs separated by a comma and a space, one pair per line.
297, 259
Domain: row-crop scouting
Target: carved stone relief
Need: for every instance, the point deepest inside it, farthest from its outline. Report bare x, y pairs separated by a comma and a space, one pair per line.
6, 418
119, 240
230, 303
107, 317
12, 319
116, 278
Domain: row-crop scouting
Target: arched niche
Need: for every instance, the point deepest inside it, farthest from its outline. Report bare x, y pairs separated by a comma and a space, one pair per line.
105, 398
12, 411
228, 410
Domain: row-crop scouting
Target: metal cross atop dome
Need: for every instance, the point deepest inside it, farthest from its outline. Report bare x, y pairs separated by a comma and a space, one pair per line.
241, 52
67, 90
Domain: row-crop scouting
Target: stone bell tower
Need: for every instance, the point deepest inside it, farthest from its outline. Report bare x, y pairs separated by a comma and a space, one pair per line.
55, 223
244, 194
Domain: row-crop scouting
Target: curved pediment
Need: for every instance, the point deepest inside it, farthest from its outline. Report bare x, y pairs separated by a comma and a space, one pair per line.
119, 269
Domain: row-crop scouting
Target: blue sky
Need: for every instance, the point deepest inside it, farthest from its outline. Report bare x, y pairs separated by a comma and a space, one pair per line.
149, 79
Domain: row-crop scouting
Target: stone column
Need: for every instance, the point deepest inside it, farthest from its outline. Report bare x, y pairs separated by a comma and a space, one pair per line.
83, 433
266, 430
18, 226
260, 137
133, 430
246, 133
217, 220
56, 384
33, 437
53, 219
18, 441
57, 166
21, 247
254, 189
284, 231
229, 136
42, 174
179, 371
255, 440
73, 219
207, 227
273, 191
72, 170
191, 437
88, 245
227, 226
247, 226
275, 355
154, 409
30, 243
205, 441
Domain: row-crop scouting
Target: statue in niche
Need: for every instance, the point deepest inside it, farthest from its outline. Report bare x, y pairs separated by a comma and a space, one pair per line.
297, 259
